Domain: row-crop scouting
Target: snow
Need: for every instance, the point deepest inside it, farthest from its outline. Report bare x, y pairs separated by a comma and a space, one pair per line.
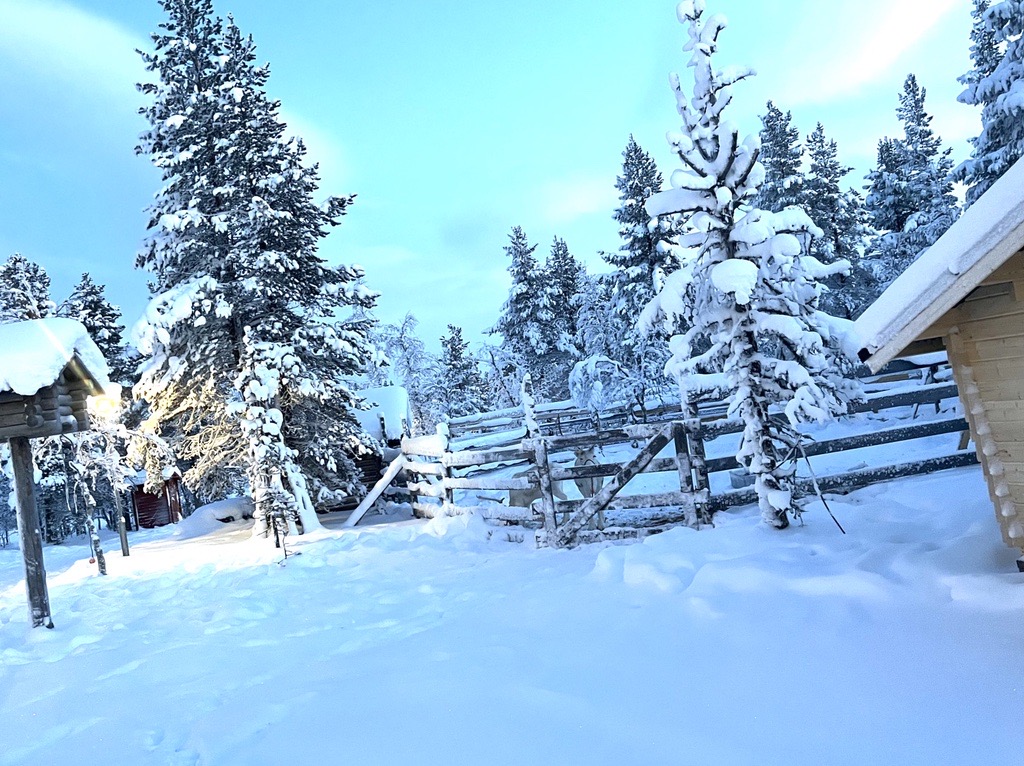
34, 353
736, 276
981, 240
389, 404
444, 643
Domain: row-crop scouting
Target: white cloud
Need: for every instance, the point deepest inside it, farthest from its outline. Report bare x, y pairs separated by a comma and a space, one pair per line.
57, 40
566, 200
840, 48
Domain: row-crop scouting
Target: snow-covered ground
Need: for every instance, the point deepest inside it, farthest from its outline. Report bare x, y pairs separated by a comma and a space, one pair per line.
443, 642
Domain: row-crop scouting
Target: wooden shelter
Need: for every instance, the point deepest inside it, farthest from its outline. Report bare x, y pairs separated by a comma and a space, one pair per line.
48, 369
156, 509
966, 294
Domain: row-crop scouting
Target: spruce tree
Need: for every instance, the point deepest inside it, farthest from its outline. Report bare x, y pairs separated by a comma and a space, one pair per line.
562, 281
248, 361
459, 389
995, 83
910, 196
88, 304
842, 218
781, 155
643, 260
24, 290
749, 292
530, 328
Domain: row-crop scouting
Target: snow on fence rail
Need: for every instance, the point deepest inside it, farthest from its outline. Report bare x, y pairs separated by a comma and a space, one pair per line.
464, 475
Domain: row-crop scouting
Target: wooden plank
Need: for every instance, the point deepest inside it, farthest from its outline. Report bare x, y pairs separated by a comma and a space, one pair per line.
426, 510
474, 458
425, 489
1006, 325
47, 428
854, 479
609, 469
565, 534
378, 489
30, 539
423, 468
428, 446
996, 349
672, 499
862, 441
496, 484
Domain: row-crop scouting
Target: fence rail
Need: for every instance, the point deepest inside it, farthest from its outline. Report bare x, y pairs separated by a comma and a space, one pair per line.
448, 471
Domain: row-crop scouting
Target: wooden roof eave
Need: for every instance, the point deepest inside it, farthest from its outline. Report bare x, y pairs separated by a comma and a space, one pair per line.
938, 298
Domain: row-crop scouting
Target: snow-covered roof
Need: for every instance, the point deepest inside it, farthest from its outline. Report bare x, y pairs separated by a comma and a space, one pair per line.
984, 238
34, 353
389, 402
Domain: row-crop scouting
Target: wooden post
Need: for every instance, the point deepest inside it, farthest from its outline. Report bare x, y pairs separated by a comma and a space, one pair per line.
446, 466
698, 458
547, 495
683, 463
567, 533
121, 531
28, 533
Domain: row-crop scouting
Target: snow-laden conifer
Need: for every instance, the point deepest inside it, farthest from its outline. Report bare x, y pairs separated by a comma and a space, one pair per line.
24, 290
910, 194
459, 388
89, 305
248, 360
782, 157
843, 220
749, 290
641, 263
996, 84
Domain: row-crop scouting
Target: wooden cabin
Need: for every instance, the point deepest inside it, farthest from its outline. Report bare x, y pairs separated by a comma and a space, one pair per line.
48, 369
150, 509
966, 294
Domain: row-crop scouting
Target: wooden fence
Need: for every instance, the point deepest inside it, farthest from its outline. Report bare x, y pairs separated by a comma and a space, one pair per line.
445, 471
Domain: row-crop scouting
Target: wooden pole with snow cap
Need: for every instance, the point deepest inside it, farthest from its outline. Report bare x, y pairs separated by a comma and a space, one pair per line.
48, 369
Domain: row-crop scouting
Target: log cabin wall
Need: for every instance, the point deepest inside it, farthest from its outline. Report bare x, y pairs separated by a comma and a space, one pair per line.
984, 336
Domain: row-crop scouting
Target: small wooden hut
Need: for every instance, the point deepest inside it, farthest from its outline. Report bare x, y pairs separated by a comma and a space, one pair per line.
966, 294
48, 369
156, 509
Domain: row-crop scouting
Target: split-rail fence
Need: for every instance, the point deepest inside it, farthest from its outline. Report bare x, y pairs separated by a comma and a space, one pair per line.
447, 471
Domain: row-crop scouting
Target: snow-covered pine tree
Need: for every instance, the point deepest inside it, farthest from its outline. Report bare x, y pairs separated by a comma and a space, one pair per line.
562, 281
459, 388
996, 84
89, 305
843, 220
910, 196
248, 364
750, 289
527, 322
782, 158
519, 323
24, 290
642, 261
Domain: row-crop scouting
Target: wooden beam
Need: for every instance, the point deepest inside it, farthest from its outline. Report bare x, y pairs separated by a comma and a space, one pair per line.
28, 533
567, 532
377, 491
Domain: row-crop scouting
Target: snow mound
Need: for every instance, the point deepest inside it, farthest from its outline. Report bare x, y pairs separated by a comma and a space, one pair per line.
212, 517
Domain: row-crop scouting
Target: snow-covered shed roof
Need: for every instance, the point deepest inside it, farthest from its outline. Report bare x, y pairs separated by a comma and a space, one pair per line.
390, 403
984, 238
35, 352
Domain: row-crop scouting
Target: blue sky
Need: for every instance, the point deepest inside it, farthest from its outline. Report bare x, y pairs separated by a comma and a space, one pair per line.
451, 121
